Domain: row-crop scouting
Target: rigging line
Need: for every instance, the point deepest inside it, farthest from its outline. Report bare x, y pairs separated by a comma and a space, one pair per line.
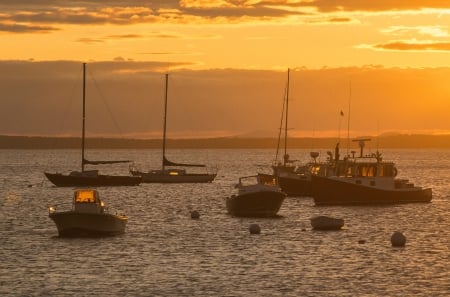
66, 109
71, 100
286, 122
106, 103
281, 126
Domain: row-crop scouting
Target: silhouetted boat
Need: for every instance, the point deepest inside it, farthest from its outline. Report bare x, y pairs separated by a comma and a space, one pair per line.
168, 174
87, 217
363, 179
294, 179
90, 178
326, 223
255, 198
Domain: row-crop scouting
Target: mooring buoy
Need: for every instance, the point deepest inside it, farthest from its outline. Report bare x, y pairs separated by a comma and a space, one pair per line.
195, 215
254, 229
398, 239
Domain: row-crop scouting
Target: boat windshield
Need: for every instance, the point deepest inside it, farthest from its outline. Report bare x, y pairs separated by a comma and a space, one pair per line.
85, 196
248, 180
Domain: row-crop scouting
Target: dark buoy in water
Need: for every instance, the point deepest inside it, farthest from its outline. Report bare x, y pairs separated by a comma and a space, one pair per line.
361, 241
195, 215
254, 229
398, 239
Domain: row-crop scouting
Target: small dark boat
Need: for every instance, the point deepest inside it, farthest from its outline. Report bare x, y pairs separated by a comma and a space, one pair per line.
172, 172
87, 218
366, 179
91, 178
326, 223
255, 198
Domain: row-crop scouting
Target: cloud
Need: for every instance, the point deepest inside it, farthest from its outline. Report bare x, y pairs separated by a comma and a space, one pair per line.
434, 31
374, 6
46, 15
90, 40
24, 28
340, 20
414, 46
114, 12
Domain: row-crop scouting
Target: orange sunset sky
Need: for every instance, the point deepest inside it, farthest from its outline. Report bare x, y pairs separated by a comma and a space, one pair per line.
388, 60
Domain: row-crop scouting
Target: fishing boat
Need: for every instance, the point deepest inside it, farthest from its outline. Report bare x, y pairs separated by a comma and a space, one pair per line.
90, 178
172, 172
293, 178
87, 218
255, 198
363, 179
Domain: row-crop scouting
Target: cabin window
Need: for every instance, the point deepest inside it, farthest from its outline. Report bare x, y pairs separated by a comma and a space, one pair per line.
380, 170
372, 183
315, 170
358, 182
366, 170
85, 196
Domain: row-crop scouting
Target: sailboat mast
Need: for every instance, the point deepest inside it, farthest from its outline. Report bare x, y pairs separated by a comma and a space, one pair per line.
165, 121
286, 121
84, 117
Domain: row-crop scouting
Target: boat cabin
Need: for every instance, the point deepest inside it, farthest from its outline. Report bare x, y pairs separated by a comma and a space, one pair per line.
254, 183
351, 168
364, 165
87, 201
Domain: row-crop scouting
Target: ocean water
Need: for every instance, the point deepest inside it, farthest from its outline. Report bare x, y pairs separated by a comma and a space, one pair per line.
166, 253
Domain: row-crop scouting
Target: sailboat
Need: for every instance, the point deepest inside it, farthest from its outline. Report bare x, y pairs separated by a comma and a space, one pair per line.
90, 178
293, 179
167, 173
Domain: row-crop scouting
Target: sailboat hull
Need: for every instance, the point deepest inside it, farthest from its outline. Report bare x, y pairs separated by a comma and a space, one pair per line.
157, 177
61, 180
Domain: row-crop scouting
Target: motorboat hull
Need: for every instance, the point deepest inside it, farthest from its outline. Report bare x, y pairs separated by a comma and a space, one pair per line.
76, 224
292, 186
256, 204
61, 180
182, 178
331, 191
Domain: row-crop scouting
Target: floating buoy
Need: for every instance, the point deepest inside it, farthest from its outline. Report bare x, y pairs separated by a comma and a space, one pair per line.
195, 215
254, 229
361, 241
398, 239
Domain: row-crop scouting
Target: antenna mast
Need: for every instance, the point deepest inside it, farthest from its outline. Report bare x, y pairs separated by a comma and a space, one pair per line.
348, 119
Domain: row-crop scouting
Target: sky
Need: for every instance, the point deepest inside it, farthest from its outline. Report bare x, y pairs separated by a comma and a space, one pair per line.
384, 64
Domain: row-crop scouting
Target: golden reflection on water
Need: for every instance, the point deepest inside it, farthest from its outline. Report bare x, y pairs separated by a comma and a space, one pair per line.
166, 253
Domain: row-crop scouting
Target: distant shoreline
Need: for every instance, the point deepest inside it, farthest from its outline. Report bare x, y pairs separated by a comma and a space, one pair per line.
395, 141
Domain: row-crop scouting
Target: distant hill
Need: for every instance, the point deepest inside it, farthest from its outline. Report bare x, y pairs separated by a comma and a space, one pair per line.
391, 141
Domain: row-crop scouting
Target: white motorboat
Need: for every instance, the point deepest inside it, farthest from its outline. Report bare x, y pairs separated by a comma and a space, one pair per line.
87, 218
255, 198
